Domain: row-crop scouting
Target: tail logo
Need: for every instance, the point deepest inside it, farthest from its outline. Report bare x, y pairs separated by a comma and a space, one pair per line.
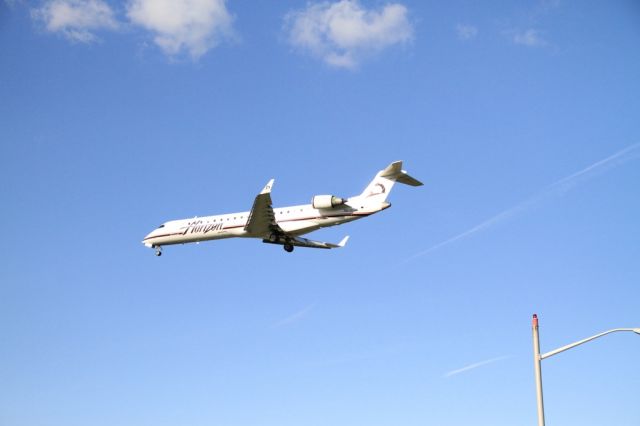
377, 189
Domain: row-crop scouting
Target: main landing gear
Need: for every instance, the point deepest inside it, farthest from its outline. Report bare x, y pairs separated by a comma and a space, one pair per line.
275, 239
158, 251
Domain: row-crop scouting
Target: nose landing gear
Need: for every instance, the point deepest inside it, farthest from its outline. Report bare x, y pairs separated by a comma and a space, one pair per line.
158, 250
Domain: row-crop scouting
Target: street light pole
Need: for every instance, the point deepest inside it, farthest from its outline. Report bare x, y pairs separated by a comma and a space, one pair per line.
538, 370
588, 339
537, 358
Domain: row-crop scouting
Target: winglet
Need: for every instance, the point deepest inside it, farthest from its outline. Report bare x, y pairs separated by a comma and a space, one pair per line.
343, 242
267, 187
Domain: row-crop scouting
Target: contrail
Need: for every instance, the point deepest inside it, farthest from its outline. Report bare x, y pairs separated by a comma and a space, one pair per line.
475, 365
294, 317
629, 153
559, 187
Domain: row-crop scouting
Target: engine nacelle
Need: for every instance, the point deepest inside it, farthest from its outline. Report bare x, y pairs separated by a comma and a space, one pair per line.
326, 201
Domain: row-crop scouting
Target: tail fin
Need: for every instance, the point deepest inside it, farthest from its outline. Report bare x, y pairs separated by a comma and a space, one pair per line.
380, 187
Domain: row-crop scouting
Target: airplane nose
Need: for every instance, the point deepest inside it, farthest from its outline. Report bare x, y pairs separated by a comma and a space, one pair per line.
146, 238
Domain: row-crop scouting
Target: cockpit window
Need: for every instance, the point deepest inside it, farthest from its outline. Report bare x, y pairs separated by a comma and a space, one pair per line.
161, 226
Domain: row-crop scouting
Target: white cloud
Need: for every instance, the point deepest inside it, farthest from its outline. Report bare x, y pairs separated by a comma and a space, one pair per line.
466, 32
343, 33
530, 38
12, 3
194, 26
76, 19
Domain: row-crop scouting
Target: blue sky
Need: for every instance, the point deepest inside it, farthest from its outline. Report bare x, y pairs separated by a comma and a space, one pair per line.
521, 118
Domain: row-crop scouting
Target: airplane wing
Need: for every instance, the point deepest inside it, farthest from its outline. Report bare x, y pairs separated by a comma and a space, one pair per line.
303, 242
262, 223
262, 220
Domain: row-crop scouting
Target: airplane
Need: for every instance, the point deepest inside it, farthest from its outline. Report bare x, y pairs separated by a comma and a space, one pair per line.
284, 226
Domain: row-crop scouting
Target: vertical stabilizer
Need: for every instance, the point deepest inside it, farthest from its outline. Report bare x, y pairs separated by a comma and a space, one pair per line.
379, 188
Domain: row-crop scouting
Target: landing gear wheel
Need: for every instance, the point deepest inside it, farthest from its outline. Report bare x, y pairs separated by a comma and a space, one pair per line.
288, 248
273, 237
158, 251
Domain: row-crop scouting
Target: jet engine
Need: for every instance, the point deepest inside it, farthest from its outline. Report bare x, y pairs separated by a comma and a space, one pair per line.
326, 201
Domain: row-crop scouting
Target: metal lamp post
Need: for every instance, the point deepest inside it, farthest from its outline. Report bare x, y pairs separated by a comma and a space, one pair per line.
537, 359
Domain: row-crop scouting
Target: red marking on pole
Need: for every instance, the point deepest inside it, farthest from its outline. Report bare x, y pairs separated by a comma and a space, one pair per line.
535, 320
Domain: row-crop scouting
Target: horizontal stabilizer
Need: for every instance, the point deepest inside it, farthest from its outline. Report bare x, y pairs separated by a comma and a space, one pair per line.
408, 180
394, 172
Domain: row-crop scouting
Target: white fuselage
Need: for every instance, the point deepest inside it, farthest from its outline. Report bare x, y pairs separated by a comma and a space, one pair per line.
294, 220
